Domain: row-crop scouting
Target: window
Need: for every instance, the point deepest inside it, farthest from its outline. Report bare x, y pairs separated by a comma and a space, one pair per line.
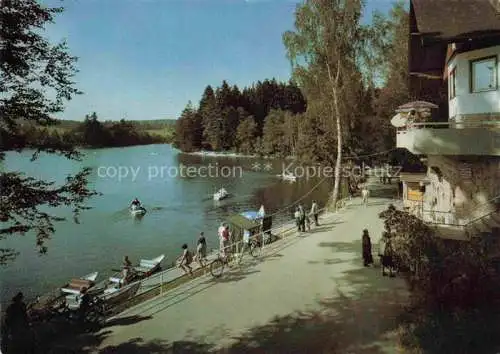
453, 83
484, 74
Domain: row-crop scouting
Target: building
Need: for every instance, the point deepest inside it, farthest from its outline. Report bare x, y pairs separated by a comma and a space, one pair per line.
454, 51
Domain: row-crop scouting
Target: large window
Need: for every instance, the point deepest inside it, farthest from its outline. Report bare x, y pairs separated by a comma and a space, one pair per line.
484, 74
452, 83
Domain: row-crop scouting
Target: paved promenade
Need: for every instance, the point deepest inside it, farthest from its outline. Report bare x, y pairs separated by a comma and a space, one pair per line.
309, 293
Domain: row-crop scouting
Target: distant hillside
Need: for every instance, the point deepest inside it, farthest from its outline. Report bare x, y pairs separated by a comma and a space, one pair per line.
150, 124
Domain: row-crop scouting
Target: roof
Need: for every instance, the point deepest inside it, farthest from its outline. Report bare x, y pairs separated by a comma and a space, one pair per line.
242, 222
443, 20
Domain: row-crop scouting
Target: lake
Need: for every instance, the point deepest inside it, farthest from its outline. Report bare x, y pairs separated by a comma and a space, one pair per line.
175, 188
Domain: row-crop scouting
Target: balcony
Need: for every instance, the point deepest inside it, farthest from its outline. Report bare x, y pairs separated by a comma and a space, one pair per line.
450, 138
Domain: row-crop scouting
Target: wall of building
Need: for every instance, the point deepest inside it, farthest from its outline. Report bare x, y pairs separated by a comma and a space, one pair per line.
462, 186
467, 105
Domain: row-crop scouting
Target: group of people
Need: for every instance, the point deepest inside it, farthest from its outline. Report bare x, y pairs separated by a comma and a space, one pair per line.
302, 218
385, 252
185, 260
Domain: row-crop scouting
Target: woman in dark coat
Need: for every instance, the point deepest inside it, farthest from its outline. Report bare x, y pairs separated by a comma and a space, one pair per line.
367, 248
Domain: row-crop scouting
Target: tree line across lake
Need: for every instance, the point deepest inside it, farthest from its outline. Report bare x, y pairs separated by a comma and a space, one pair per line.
309, 116
91, 133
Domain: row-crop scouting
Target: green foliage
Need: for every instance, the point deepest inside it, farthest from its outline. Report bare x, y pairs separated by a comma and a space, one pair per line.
189, 130
454, 286
444, 274
30, 68
246, 135
223, 112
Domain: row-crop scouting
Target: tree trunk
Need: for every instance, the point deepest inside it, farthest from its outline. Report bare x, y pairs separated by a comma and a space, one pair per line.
338, 162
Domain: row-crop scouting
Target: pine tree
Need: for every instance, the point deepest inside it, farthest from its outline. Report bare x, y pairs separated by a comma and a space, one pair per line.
188, 130
246, 135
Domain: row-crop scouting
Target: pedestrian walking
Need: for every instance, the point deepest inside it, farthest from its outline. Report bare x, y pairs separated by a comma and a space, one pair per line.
308, 223
297, 218
367, 248
315, 212
185, 260
223, 239
365, 193
302, 218
201, 250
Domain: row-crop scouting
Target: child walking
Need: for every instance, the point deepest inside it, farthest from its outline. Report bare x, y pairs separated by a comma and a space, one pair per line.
185, 260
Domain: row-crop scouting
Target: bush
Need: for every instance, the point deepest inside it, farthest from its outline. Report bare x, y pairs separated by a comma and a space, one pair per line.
453, 287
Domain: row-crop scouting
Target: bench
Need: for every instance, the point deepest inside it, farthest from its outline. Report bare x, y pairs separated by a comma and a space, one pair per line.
75, 286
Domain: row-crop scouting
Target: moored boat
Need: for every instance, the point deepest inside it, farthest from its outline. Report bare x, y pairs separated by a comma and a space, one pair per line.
116, 288
75, 286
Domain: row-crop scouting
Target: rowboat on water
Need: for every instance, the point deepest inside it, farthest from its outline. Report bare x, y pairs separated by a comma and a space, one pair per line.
221, 194
136, 210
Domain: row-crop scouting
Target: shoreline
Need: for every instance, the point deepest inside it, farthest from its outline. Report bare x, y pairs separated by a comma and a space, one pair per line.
234, 155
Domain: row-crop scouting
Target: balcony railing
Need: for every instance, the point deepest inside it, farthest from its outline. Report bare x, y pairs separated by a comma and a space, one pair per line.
449, 125
448, 218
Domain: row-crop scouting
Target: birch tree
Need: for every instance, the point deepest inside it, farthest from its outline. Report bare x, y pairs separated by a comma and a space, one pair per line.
323, 51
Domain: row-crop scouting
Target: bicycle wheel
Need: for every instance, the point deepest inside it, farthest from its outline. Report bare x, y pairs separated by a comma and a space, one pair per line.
255, 249
217, 267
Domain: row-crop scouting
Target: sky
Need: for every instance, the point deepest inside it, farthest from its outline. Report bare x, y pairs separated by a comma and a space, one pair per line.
145, 59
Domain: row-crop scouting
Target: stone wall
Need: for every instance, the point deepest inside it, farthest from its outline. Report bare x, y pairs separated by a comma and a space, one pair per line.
464, 186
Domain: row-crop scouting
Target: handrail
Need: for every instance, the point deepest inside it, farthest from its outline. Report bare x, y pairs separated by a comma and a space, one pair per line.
470, 221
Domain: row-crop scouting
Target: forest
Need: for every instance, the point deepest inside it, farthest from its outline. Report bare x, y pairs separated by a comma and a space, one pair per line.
346, 92
91, 133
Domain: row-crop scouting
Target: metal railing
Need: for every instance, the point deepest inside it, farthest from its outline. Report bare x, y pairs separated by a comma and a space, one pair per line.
448, 125
448, 218
154, 284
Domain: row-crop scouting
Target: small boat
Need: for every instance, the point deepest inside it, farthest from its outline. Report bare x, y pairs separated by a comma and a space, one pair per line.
113, 289
144, 269
47, 305
136, 210
288, 177
76, 285
221, 194
115, 295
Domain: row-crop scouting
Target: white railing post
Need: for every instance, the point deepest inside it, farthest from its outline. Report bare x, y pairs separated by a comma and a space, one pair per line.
161, 283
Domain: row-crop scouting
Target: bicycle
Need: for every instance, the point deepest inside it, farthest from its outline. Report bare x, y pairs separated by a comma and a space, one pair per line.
217, 265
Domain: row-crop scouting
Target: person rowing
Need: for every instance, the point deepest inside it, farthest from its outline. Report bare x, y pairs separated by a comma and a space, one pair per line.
135, 203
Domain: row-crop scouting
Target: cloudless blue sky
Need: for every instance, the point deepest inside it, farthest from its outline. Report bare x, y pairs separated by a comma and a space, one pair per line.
145, 59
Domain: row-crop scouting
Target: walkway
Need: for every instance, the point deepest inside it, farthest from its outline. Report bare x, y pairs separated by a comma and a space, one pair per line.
309, 294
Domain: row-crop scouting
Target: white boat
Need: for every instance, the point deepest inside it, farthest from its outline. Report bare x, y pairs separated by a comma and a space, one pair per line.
114, 295
288, 177
113, 289
137, 210
221, 194
76, 285
144, 269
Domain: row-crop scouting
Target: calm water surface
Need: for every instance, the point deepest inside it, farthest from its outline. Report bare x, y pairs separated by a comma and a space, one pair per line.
179, 207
